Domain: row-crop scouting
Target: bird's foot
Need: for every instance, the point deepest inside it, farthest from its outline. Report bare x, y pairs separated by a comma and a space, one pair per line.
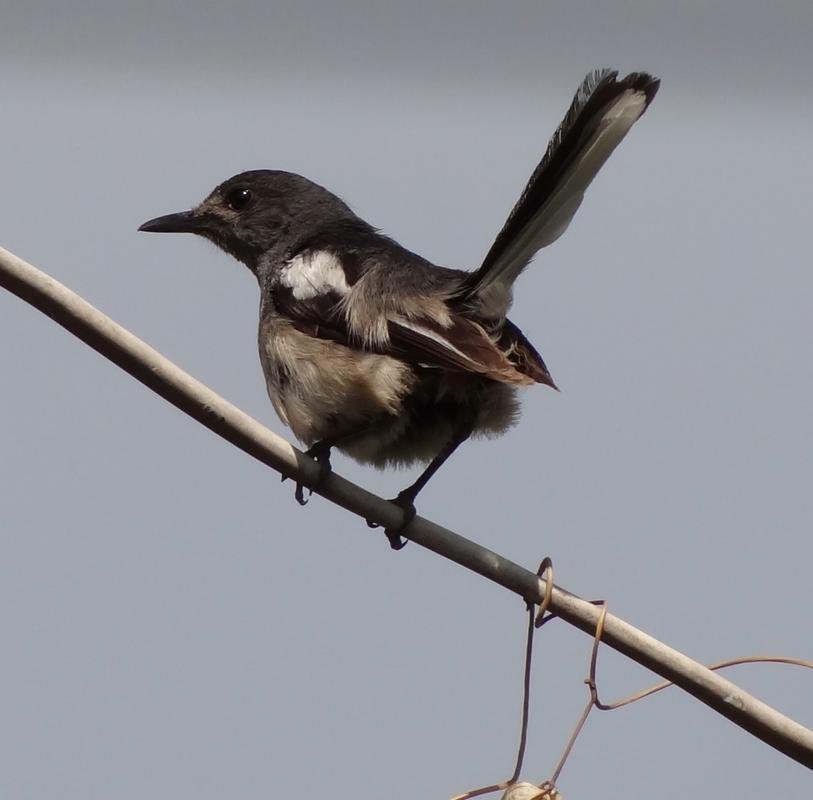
320, 452
405, 501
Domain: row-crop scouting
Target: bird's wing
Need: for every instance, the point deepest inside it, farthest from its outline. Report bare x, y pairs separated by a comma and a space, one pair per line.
458, 345
314, 293
602, 112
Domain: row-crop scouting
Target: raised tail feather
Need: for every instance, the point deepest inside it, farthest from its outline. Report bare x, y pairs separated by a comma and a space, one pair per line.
602, 112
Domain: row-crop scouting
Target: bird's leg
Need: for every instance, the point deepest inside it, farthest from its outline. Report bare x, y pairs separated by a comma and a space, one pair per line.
320, 452
406, 497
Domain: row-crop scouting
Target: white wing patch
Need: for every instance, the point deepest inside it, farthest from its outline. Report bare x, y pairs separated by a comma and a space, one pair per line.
311, 274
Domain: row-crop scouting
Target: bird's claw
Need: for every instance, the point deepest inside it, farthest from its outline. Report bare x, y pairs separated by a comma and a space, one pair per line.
320, 452
299, 494
405, 501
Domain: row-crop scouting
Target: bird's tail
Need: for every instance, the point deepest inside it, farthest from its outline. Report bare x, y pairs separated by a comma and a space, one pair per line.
601, 114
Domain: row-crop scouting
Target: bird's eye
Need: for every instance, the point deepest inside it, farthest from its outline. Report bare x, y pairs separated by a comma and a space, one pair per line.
238, 199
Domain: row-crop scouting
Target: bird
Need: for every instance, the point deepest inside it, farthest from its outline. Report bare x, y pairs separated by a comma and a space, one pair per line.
371, 349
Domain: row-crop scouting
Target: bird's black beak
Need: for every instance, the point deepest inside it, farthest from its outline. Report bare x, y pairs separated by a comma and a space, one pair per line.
183, 222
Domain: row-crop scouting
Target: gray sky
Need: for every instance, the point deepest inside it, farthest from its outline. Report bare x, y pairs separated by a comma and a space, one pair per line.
174, 625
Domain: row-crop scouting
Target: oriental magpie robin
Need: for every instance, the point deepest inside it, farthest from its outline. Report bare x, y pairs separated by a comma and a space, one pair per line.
369, 348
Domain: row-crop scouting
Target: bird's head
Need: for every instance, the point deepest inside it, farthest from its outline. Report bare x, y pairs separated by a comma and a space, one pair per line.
256, 212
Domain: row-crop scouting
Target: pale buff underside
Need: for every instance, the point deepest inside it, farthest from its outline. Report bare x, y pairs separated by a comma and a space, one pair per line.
324, 390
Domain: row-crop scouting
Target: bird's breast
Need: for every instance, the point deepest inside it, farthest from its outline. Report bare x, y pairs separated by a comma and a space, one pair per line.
322, 389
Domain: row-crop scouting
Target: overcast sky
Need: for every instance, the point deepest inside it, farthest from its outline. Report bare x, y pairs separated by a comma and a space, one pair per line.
174, 625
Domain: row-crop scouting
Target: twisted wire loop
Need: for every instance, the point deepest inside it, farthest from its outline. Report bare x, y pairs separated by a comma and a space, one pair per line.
545, 572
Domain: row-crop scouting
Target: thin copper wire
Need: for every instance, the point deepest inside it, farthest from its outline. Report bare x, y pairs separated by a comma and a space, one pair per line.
548, 788
733, 662
546, 570
591, 683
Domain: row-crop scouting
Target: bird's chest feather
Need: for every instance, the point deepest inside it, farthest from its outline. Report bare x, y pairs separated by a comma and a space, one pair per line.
323, 389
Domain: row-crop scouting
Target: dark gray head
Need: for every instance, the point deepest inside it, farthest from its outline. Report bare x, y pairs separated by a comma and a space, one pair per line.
257, 211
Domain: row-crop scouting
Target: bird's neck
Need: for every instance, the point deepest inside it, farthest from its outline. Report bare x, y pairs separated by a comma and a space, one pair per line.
267, 266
